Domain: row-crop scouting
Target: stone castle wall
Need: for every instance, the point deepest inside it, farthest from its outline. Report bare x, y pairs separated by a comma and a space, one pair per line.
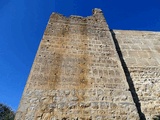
141, 53
78, 74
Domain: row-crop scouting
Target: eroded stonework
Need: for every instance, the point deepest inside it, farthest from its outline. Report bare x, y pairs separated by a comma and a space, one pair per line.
141, 52
77, 74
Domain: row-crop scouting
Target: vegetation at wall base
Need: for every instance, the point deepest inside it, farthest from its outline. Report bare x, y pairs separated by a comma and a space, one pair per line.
6, 112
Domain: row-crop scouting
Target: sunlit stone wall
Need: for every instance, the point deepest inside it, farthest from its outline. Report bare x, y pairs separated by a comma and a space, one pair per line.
141, 53
77, 74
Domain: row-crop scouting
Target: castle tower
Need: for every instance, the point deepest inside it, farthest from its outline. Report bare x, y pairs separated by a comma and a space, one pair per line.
77, 74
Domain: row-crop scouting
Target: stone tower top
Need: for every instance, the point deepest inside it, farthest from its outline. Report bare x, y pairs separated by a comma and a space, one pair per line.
96, 10
96, 19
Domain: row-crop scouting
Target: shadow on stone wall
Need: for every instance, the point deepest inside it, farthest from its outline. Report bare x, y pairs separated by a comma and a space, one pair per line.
128, 77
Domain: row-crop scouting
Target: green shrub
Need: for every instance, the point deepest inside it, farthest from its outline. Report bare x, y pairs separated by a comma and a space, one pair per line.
6, 112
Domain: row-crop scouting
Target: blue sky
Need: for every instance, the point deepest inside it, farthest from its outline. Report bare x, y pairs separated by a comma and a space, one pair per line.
22, 23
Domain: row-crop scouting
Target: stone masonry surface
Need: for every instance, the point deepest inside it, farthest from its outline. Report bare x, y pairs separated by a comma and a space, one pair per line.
141, 52
78, 74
